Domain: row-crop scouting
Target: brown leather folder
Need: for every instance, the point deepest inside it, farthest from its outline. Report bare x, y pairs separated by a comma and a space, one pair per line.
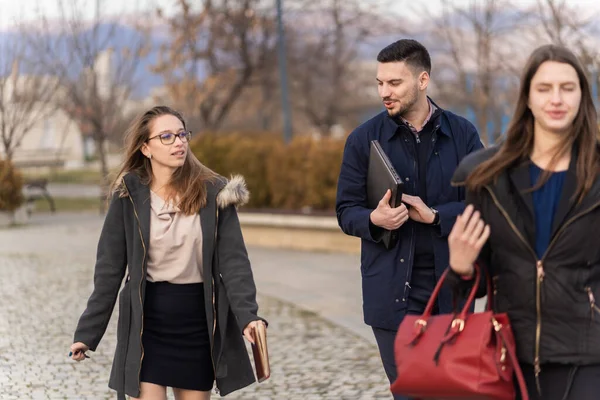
260, 352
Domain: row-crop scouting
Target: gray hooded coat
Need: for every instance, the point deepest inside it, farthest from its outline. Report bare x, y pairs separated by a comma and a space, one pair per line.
229, 289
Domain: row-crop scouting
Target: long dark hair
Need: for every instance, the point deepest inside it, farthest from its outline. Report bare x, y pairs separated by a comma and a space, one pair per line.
518, 145
188, 182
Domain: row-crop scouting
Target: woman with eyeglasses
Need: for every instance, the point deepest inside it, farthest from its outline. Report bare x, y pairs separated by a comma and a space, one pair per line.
532, 222
189, 296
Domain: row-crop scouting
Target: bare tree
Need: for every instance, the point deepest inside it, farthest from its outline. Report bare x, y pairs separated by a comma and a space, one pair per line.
562, 23
25, 95
479, 60
214, 55
565, 25
328, 78
221, 65
96, 62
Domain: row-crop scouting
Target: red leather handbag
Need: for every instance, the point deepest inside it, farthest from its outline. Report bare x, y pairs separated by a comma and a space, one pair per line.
465, 356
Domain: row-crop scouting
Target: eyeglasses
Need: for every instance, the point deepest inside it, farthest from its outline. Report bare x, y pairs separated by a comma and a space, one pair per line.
169, 138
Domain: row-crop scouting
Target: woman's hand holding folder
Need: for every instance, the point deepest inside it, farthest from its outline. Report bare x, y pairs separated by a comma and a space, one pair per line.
249, 330
258, 337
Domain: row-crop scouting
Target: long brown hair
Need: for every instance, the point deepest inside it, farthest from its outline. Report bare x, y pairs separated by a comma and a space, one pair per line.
188, 182
518, 144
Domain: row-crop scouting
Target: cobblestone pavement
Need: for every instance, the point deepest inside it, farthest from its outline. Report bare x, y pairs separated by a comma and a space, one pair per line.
43, 288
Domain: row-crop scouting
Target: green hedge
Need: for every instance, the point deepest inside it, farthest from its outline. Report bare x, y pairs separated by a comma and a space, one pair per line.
300, 175
11, 187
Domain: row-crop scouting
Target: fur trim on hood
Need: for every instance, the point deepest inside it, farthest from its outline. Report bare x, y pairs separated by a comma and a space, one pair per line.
234, 193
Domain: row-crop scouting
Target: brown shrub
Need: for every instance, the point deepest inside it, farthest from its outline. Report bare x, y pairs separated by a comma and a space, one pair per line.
11, 187
302, 174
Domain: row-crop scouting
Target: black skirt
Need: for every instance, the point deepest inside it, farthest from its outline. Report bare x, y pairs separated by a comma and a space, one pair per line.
176, 337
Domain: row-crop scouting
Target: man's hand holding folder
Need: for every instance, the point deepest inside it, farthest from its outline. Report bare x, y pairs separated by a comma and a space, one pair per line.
387, 217
419, 211
384, 196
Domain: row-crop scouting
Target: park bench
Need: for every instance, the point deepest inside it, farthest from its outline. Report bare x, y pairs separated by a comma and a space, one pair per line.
35, 189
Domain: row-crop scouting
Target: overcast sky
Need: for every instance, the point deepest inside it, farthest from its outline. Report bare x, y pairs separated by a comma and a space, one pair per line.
11, 10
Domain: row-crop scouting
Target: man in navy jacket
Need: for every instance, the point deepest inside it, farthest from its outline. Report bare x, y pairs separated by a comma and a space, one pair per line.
425, 144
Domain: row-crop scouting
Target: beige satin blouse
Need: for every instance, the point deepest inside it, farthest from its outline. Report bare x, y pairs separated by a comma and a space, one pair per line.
175, 251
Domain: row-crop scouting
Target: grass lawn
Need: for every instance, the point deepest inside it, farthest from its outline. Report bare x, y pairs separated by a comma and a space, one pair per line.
68, 204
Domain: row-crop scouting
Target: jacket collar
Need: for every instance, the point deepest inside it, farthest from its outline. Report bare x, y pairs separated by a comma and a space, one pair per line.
392, 126
567, 200
520, 180
226, 192
220, 193
139, 194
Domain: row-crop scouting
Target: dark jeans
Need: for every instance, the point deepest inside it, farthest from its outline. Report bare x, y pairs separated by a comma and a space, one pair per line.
563, 382
421, 286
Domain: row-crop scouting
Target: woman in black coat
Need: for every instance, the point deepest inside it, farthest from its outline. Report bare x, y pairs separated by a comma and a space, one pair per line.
189, 296
532, 222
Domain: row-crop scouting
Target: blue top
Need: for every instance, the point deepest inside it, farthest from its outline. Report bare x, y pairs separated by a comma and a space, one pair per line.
545, 202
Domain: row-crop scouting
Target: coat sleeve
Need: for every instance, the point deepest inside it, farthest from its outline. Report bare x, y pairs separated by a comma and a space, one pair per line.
353, 214
235, 269
111, 264
449, 211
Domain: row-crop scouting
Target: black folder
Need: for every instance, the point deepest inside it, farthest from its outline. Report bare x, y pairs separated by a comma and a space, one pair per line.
381, 177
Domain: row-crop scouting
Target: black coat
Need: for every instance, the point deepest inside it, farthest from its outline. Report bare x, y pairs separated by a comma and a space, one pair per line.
123, 248
550, 302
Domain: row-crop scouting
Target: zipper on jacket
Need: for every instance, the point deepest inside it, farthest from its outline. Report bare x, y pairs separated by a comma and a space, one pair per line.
412, 235
593, 307
212, 357
495, 292
540, 274
538, 287
141, 280
408, 269
538, 324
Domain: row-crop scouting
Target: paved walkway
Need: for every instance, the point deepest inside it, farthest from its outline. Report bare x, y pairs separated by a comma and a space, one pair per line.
45, 278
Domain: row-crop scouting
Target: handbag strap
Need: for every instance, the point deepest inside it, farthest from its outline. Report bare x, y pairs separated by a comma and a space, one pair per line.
514, 361
459, 322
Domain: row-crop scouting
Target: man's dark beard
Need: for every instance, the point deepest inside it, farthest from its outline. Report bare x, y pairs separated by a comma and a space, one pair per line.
397, 114
406, 107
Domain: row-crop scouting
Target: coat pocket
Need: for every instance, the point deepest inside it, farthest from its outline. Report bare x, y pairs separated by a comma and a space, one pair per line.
123, 328
222, 311
124, 309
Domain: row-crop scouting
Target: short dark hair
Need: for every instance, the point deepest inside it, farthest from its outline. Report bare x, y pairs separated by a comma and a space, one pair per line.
409, 51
